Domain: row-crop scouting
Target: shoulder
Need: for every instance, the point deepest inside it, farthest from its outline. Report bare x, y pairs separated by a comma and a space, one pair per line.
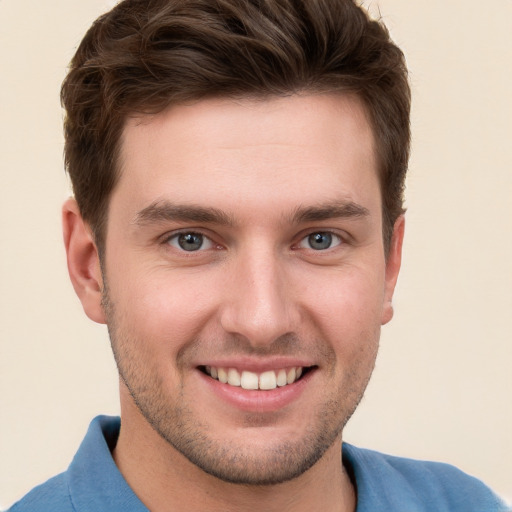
92, 481
408, 484
52, 496
92, 464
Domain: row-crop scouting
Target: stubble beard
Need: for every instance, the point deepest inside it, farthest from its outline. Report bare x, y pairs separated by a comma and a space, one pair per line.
245, 463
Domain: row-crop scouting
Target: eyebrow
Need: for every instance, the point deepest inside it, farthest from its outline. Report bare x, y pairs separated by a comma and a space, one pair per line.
334, 210
163, 211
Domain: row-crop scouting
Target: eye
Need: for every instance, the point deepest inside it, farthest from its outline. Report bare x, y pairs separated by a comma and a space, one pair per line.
190, 241
320, 241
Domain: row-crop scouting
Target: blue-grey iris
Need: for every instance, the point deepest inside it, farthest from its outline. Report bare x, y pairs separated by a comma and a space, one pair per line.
190, 241
320, 241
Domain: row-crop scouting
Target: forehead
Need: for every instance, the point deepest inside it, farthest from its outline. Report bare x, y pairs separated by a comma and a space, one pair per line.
308, 146
299, 119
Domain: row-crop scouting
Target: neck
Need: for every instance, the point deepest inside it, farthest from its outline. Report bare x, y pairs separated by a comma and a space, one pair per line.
164, 480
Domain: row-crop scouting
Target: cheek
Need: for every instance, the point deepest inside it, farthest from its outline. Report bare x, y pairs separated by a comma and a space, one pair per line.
163, 306
353, 298
347, 312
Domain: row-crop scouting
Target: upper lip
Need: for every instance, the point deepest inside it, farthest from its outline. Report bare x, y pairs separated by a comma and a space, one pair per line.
257, 365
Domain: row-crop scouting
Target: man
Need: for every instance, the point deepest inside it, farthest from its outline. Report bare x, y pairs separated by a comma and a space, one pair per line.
238, 171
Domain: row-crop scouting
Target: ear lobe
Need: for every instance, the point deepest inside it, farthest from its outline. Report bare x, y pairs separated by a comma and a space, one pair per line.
393, 263
83, 261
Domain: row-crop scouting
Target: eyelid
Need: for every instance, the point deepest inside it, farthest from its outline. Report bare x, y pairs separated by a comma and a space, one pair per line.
208, 242
336, 241
342, 237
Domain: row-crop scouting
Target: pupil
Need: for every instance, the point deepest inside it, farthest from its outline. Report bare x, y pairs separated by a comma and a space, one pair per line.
320, 241
190, 241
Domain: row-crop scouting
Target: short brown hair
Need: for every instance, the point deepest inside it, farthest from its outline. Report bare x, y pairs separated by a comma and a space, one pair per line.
145, 55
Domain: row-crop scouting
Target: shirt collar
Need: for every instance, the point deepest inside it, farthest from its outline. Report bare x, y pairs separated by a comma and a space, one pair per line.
94, 481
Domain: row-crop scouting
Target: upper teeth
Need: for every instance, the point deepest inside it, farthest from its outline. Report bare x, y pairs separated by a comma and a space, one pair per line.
250, 380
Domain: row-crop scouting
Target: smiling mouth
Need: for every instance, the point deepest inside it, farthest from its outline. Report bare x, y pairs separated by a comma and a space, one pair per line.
265, 381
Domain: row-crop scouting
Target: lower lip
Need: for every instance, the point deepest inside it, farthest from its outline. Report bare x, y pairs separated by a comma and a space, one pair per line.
257, 400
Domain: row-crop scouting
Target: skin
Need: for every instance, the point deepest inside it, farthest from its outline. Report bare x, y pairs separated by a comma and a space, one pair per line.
257, 295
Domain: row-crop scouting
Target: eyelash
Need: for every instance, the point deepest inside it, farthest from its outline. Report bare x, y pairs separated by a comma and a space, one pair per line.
333, 238
176, 236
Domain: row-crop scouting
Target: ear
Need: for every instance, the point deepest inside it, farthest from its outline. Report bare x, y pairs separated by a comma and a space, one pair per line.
393, 262
83, 261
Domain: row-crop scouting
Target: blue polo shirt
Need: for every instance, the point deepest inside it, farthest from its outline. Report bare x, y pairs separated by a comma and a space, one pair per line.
93, 483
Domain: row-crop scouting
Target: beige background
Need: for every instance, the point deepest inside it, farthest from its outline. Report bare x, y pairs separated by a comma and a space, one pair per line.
443, 384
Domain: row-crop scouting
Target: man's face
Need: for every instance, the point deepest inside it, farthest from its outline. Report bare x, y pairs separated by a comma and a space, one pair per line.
244, 241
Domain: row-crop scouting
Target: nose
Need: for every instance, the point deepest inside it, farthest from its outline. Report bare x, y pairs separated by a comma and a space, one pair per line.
259, 303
